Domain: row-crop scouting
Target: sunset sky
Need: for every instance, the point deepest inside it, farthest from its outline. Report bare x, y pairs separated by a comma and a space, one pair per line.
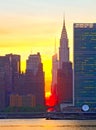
31, 26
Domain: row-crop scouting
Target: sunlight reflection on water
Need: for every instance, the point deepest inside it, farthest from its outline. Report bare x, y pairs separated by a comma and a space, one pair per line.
42, 124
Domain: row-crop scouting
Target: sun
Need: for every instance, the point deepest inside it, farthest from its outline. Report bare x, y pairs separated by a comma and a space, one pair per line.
51, 99
47, 94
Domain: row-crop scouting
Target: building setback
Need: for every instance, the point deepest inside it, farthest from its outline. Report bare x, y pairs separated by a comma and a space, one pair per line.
64, 74
35, 78
85, 64
32, 82
15, 86
63, 49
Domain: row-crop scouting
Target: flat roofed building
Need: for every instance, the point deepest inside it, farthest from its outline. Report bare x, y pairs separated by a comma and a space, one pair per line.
85, 64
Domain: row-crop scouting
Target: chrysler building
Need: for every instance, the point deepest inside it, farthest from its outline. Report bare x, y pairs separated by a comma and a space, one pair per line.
63, 49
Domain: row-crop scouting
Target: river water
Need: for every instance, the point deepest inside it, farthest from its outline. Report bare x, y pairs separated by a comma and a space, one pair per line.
43, 124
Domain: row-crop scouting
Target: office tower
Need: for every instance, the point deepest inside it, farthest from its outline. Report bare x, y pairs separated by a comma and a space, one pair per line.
63, 49
65, 83
34, 78
54, 73
9, 71
64, 74
3, 77
33, 63
85, 65
14, 63
5, 72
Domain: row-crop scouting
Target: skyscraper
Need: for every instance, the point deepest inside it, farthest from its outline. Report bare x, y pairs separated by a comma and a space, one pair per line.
63, 50
15, 68
54, 72
65, 83
33, 63
64, 74
9, 72
35, 78
85, 64
4, 75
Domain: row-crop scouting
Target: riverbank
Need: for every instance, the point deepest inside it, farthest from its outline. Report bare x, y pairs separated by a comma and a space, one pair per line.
71, 116
20, 115
49, 115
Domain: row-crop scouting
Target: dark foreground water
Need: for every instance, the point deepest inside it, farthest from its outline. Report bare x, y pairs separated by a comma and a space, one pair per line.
42, 124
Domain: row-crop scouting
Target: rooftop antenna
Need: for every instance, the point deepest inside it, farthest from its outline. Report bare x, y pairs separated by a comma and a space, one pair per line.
64, 19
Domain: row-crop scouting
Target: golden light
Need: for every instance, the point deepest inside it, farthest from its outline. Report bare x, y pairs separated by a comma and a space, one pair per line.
47, 94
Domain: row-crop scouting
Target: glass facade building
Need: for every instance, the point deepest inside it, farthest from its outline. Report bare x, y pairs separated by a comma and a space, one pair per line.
85, 64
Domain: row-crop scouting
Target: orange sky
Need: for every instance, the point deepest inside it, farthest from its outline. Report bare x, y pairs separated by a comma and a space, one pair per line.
25, 36
28, 27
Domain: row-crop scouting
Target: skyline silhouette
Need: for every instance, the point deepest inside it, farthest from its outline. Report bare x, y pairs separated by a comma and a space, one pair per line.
31, 26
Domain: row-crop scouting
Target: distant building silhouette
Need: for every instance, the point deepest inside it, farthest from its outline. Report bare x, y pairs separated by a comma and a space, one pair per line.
33, 63
64, 84
64, 74
85, 64
32, 82
15, 69
35, 78
9, 71
4, 81
21, 89
3, 76
54, 73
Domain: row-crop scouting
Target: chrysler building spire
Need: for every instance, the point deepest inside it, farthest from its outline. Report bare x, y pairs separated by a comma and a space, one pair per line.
63, 49
64, 32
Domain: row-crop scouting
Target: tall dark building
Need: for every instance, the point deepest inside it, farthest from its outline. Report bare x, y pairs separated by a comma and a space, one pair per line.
9, 72
85, 64
54, 73
64, 83
64, 74
4, 75
32, 82
35, 78
15, 68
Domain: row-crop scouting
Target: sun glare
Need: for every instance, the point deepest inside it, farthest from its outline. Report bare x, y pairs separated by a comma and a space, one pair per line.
51, 99
47, 94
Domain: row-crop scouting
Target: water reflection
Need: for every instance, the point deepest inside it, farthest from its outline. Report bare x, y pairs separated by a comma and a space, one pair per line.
42, 124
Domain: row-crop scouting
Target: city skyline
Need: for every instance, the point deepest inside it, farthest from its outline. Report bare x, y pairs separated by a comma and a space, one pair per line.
32, 26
